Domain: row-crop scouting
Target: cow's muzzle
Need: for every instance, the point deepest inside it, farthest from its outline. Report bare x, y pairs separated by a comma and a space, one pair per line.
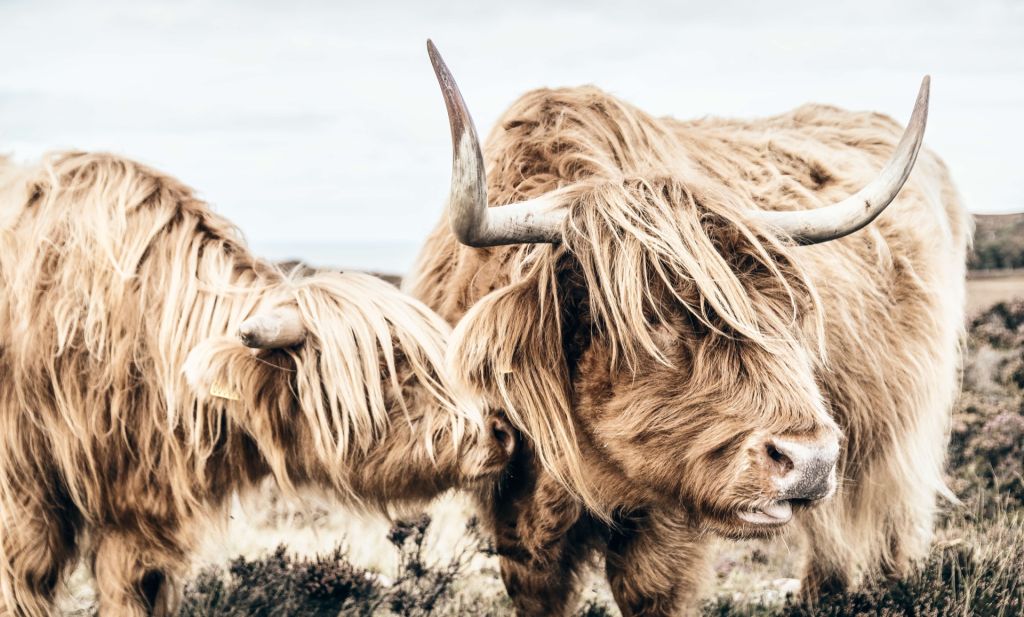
494, 449
802, 469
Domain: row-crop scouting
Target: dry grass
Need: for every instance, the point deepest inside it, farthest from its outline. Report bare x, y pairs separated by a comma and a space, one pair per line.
987, 288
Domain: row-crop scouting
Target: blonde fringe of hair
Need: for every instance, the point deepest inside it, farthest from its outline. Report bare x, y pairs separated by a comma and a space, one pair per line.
647, 233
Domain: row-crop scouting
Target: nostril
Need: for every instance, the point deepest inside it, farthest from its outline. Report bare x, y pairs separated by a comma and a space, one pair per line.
781, 462
502, 434
805, 469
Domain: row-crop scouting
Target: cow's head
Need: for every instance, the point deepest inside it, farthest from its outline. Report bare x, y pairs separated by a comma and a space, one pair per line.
653, 324
339, 380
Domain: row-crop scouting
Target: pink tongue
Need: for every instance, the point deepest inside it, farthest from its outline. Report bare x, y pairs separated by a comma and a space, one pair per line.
780, 510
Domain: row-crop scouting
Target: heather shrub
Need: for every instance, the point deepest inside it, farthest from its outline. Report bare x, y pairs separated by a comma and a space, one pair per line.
959, 579
977, 574
986, 456
1002, 325
420, 588
281, 585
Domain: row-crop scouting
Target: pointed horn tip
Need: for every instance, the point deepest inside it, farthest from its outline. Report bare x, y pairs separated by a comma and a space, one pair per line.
435, 58
925, 91
920, 112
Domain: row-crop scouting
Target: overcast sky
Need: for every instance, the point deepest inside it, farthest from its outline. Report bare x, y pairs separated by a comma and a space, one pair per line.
318, 126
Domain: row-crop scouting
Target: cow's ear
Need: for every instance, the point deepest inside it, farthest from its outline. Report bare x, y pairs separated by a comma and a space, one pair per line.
215, 368
509, 349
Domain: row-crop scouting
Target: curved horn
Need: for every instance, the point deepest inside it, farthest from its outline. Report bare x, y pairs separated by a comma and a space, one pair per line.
273, 329
533, 221
856, 211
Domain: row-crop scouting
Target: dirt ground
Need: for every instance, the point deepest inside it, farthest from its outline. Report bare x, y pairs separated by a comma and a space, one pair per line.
985, 288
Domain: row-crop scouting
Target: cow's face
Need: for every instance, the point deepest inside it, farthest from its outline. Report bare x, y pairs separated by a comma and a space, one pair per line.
688, 374
437, 438
735, 434
341, 382
703, 395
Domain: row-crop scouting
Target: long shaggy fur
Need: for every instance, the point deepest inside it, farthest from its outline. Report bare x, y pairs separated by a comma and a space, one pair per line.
647, 356
128, 408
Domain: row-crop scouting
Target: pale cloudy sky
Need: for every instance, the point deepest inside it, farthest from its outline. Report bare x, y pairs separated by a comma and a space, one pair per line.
317, 126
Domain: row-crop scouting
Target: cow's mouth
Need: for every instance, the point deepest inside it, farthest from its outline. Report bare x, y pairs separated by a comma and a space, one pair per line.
775, 514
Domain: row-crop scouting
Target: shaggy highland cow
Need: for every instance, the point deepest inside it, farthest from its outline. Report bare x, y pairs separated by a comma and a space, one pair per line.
682, 324
129, 408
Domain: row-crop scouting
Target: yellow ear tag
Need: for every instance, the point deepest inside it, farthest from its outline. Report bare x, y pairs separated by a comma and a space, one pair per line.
221, 391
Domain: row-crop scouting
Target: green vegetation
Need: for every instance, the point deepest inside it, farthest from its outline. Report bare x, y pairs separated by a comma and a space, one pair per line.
998, 242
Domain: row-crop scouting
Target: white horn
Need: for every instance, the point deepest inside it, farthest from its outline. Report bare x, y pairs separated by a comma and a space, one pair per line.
856, 211
273, 329
537, 220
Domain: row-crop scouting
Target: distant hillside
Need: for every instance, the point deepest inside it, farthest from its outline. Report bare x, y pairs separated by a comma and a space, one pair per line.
998, 242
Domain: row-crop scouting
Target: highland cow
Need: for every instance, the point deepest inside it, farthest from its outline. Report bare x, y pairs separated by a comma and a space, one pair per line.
697, 334
130, 409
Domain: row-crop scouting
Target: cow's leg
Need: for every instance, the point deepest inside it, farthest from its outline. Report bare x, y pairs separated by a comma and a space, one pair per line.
657, 564
548, 587
38, 540
542, 537
829, 561
133, 577
550, 590
880, 525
